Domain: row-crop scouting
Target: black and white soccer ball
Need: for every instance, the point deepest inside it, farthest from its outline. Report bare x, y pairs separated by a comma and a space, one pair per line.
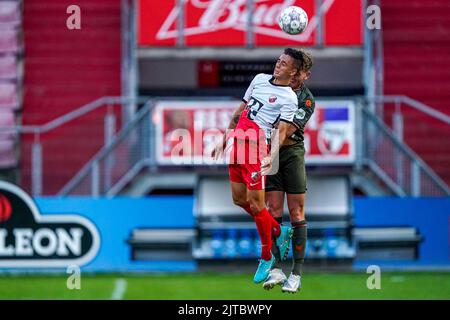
293, 20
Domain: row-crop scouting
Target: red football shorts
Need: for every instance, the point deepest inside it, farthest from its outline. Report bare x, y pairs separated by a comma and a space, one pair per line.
245, 163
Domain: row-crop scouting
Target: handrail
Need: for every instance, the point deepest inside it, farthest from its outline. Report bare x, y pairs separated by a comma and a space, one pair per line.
128, 177
373, 73
406, 150
386, 179
413, 104
105, 150
72, 115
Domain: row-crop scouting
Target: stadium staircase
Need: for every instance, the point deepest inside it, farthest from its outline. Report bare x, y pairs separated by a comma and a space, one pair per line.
64, 70
417, 64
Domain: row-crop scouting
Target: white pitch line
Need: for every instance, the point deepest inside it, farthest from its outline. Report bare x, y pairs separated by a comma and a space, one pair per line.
120, 287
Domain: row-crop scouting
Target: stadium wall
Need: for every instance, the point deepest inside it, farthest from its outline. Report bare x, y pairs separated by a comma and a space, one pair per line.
430, 216
116, 219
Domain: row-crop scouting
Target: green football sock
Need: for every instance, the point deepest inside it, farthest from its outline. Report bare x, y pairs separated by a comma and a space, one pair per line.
298, 246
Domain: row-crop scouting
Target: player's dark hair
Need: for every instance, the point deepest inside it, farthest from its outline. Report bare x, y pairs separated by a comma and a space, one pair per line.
296, 56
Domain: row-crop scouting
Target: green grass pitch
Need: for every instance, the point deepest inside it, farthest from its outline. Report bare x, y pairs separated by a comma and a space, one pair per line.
218, 286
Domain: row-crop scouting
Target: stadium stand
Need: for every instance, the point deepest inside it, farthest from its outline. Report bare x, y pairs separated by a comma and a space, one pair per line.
8, 68
417, 64
8, 41
10, 14
10, 82
64, 70
8, 95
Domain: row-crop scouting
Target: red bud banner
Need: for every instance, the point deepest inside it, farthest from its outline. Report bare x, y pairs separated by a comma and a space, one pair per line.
224, 22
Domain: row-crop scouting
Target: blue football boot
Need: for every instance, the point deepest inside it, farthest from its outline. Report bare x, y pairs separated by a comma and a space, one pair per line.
284, 241
263, 270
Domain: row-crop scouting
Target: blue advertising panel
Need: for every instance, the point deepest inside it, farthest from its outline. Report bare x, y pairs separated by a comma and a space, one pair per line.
51, 234
430, 216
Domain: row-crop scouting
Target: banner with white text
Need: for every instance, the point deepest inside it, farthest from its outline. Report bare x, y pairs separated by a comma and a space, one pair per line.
187, 131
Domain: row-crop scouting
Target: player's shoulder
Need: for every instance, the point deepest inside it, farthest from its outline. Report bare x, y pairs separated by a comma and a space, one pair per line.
308, 94
262, 77
292, 95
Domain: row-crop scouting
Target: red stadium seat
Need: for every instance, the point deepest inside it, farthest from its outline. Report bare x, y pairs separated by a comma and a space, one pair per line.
8, 67
9, 13
6, 119
8, 41
7, 154
8, 96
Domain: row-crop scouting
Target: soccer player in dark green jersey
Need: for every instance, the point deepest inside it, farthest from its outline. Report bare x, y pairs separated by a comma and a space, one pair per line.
291, 180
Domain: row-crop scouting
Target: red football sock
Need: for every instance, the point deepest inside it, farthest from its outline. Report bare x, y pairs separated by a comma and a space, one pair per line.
247, 208
264, 226
275, 224
276, 230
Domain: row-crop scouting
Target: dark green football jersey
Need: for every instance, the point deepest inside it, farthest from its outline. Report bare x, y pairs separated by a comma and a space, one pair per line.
306, 106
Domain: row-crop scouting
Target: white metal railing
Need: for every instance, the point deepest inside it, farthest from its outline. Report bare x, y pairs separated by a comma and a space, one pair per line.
373, 72
128, 148
39, 139
394, 163
401, 102
117, 162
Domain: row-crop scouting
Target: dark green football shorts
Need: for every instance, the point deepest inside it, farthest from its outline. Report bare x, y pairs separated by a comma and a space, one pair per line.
291, 175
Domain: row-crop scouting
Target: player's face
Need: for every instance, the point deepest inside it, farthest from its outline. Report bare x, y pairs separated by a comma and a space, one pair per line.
299, 78
284, 68
304, 75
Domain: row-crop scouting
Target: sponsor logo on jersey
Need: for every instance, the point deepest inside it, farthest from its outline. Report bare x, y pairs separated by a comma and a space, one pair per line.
272, 99
308, 103
300, 114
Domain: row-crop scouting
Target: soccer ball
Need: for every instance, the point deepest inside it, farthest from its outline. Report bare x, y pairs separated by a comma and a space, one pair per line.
293, 20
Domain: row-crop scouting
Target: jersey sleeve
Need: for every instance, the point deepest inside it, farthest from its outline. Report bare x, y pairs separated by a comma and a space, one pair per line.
304, 111
249, 91
288, 111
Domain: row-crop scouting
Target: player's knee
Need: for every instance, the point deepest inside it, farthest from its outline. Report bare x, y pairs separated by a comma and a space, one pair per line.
297, 213
275, 211
240, 202
256, 207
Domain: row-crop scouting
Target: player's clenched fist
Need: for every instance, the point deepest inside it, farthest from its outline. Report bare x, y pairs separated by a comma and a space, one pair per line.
218, 150
266, 165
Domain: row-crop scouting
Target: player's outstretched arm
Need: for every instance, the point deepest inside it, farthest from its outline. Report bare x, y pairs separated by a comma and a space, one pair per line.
218, 150
283, 130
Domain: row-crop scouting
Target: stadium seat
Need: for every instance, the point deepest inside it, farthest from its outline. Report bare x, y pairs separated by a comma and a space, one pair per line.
8, 67
6, 120
8, 41
7, 154
8, 95
9, 13
428, 22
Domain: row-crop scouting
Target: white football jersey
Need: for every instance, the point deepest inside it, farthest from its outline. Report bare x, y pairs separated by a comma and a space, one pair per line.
269, 103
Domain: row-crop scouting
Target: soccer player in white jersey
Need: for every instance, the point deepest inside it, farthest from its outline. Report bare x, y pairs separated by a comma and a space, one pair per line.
268, 103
